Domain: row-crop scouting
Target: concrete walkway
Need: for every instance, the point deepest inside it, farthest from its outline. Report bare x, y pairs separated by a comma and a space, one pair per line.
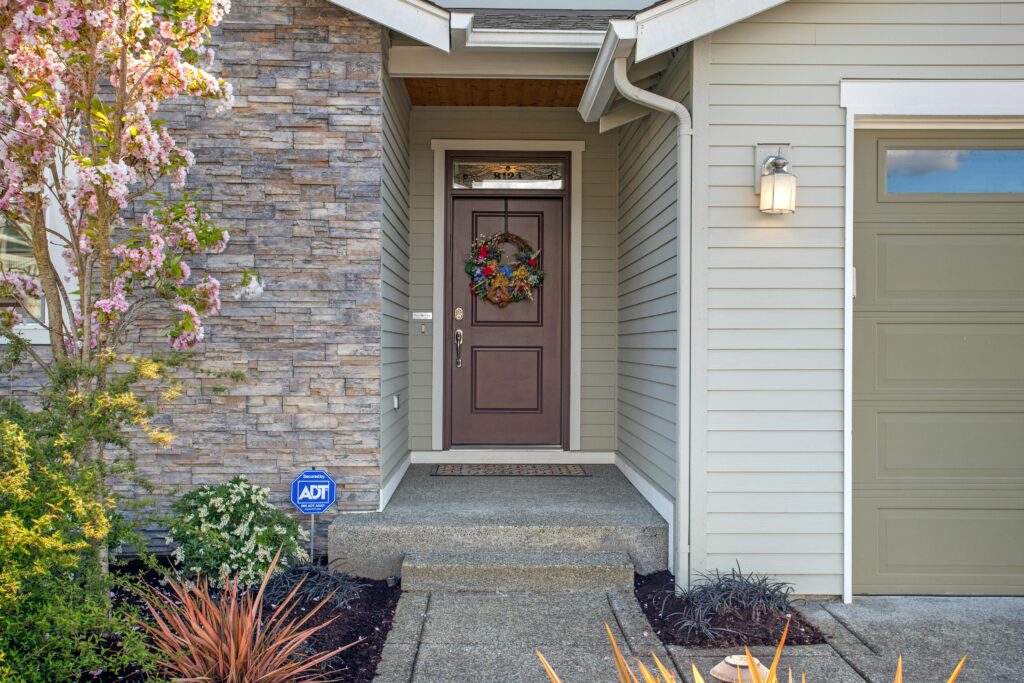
932, 634
442, 637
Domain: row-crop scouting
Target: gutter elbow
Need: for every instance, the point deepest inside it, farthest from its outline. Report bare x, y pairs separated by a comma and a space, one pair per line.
620, 76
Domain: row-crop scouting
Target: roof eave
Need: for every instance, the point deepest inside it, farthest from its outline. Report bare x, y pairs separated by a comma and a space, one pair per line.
619, 40
418, 19
670, 24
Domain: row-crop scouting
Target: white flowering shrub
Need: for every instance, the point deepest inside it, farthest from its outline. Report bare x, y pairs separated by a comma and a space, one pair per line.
232, 530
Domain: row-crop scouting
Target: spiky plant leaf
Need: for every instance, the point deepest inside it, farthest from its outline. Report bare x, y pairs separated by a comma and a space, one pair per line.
956, 672
547, 668
203, 635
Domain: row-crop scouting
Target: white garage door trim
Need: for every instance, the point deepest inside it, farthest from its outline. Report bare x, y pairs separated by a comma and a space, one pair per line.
970, 105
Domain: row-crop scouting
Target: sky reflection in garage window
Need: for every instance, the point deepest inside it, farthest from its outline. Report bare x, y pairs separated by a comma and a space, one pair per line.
954, 171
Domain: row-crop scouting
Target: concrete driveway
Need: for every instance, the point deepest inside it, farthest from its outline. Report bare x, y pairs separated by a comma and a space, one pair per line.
932, 634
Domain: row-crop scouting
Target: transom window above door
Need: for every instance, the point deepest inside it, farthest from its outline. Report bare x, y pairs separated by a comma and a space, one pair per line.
481, 174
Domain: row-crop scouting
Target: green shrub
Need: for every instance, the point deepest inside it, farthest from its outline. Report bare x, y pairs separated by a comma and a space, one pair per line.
232, 531
56, 617
66, 626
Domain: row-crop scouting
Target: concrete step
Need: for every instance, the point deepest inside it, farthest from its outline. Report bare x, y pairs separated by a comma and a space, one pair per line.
374, 547
517, 571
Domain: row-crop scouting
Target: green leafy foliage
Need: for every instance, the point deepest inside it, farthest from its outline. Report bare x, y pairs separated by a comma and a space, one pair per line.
232, 531
56, 618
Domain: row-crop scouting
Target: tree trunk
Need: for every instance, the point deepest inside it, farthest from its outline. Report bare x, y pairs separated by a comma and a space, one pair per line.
47, 276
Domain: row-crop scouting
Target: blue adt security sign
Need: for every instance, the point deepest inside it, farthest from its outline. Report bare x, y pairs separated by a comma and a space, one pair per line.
313, 492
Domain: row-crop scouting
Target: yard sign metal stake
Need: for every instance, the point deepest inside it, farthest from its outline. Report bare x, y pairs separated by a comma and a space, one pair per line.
313, 492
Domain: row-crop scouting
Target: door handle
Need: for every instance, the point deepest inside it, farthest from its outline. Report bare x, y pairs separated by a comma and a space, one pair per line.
458, 348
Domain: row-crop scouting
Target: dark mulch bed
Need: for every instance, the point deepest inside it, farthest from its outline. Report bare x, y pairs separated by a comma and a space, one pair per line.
734, 627
367, 618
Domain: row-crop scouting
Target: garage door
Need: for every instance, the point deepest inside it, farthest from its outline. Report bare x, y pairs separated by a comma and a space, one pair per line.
938, 393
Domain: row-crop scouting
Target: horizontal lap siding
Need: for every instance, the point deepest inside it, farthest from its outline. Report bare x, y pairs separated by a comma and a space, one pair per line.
395, 278
599, 343
647, 288
773, 467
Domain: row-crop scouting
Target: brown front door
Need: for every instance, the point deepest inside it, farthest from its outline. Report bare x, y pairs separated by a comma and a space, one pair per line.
510, 388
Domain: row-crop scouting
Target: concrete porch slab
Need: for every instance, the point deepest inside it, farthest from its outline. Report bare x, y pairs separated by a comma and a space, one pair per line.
595, 514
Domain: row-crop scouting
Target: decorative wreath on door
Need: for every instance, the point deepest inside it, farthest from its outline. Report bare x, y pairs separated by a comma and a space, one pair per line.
501, 283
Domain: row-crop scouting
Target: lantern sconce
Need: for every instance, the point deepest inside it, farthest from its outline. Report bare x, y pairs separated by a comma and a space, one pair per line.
777, 186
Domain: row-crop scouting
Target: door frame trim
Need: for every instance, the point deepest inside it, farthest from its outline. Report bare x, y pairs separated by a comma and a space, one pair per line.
575, 148
978, 105
564, 318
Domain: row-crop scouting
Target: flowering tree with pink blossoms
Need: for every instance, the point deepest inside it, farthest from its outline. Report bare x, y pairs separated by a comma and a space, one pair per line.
80, 85
81, 141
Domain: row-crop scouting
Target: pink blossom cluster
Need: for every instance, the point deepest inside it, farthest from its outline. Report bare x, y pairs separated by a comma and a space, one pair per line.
155, 261
20, 288
208, 295
143, 262
187, 330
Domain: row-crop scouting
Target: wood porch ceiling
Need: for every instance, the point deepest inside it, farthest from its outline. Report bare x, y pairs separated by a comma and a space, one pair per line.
494, 92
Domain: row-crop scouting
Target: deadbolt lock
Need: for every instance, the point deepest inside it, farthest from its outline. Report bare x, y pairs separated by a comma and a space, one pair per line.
459, 314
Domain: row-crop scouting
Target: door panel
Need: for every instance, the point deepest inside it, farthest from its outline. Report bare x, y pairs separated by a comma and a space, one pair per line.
938, 385
509, 387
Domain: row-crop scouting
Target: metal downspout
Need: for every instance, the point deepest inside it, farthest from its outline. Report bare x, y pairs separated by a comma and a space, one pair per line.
684, 136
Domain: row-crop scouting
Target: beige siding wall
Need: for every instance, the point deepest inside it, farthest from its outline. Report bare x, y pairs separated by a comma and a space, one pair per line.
770, 459
599, 255
647, 286
394, 353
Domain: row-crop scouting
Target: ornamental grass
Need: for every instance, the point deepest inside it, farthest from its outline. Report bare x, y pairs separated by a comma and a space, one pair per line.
212, 636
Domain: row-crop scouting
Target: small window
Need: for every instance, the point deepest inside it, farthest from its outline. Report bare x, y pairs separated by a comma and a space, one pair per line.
16, 257
499, 175
954, 171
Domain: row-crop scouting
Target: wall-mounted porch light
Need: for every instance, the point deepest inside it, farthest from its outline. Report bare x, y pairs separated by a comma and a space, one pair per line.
778, 186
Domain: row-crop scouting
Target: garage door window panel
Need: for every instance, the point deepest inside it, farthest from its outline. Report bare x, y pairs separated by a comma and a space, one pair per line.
949, 171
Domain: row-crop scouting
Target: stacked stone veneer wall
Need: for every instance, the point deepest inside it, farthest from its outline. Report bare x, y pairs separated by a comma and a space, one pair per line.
294, 172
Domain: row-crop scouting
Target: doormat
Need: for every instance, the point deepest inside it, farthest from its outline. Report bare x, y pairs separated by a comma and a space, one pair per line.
509, 471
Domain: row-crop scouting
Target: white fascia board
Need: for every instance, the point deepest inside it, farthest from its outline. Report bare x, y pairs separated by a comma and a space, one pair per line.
618, 42
417, 19
671, 24
539, 40
461, 24
466, 36
534, 40
413, 61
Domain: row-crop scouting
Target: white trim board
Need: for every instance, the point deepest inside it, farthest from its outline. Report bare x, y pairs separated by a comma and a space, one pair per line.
388, 488
653, 495
931, 105
512, 456
576, 148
